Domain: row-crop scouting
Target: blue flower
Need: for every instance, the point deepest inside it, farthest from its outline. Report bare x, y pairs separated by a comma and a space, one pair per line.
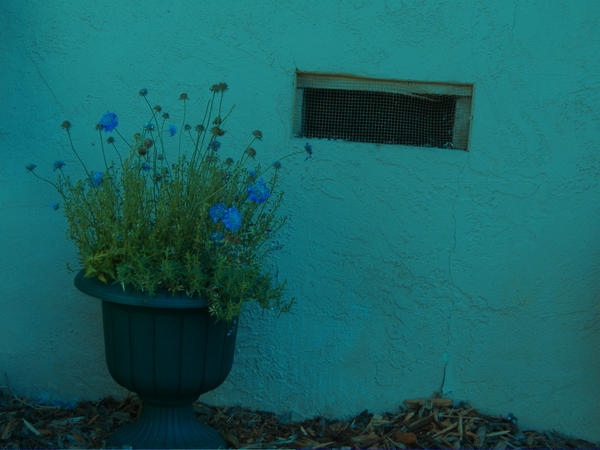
109, 121
217, 212
232, 219
214, 145
277, 165
172, 130
149, 126
217, 238
308, 149
96, 179
58, 165
54, 206
251, 173
146, 166
258, 192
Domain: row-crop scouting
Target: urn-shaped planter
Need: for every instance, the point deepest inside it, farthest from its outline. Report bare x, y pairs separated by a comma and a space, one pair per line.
168, 350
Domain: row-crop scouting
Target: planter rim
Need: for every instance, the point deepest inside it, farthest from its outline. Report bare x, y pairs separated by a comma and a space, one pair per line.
114, 293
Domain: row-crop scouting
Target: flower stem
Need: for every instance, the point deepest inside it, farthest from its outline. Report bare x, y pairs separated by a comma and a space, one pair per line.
121, 136
238, 168
47, 181
77, 154
181, 132
102, 147
194, 154
281, 159
118, 154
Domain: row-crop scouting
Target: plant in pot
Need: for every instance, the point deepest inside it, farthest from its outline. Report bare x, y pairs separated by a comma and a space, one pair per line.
172, 238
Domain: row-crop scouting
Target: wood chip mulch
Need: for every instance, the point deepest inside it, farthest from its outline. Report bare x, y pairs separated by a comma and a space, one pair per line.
432, 423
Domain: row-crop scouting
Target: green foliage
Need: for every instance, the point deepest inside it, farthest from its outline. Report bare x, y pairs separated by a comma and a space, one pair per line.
146, 223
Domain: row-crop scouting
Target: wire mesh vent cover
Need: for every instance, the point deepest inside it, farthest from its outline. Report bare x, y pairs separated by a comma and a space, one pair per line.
382, 111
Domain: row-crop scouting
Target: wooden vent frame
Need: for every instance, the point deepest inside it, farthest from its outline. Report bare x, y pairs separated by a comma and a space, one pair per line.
399, 112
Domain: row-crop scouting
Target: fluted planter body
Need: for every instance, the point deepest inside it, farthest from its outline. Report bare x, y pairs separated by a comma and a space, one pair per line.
169, 351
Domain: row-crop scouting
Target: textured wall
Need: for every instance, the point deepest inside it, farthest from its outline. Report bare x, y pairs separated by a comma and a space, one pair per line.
407, 263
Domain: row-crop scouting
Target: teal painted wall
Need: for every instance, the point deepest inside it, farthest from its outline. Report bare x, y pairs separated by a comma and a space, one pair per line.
406, 262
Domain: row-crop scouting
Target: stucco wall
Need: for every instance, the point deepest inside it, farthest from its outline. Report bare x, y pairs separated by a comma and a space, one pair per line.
406, 262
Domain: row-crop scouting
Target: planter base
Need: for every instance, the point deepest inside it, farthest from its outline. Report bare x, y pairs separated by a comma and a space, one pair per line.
166, 427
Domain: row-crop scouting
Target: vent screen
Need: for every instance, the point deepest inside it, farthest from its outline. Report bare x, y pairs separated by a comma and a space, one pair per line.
381, 111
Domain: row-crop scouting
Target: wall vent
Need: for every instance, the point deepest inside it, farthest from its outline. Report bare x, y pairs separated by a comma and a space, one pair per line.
382, 111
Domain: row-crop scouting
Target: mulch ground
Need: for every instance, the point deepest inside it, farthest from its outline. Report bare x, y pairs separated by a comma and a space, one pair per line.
420, 423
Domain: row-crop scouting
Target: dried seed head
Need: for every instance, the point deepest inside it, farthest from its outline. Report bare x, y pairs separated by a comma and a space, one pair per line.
217, 121
277, 165
217, 131
148, 143
137, 136
251, 152
199, 128
183, 96
158, 108
30, 167
160, 157
257, 134
229, 161
187, 127
223, 86
165, 115
214, 88
143, 92
110, 140
99, 126
66, 125
142, 151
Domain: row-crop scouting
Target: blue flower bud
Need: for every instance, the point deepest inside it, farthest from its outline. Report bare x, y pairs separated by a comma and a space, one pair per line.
58, 165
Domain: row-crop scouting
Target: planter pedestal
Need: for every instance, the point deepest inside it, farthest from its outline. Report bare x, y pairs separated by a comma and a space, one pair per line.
169, 351
166, 427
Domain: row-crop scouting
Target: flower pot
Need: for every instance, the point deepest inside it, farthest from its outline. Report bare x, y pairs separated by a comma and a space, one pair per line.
169, 351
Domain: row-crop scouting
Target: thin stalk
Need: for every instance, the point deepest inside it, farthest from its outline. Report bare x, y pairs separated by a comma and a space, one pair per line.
118, 154
239, 166
162, 145
180, 133
47, 181
102, 147
77, 154
121, 136
220, 103
214, 137
154, 180
204, 128
281, 159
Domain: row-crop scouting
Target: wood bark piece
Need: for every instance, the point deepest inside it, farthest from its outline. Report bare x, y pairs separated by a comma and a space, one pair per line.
439, 402
405, 438
88, 424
